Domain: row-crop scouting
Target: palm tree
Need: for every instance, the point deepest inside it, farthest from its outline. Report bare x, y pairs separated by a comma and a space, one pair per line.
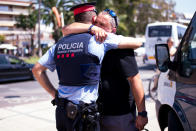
63, 6
48, 16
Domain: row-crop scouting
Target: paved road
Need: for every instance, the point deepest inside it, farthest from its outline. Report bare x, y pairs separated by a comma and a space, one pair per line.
22, 92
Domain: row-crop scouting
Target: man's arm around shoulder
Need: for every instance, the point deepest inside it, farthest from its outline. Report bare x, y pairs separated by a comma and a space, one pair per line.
129, 42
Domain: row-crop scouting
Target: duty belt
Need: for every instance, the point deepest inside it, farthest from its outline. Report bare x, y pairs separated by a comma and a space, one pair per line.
85, 115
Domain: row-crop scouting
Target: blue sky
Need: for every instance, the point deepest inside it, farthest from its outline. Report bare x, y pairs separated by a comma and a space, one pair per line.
185, 6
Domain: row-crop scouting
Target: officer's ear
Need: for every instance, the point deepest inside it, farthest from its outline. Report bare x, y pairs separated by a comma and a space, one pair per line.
94, 19
114, 30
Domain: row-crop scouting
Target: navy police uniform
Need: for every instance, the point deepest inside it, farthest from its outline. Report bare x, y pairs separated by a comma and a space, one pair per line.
86, 65
80, 68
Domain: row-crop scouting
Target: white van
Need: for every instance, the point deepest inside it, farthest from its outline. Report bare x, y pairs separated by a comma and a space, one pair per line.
158, 33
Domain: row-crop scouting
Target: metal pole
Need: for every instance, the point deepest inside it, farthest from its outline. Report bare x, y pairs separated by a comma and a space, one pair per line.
62, 20
38, 35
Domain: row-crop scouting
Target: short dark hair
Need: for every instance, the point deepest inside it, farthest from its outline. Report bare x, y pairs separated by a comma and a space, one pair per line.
85, 16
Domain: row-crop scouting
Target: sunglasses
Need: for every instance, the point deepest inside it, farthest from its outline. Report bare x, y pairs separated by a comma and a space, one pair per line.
113, 14
95, 11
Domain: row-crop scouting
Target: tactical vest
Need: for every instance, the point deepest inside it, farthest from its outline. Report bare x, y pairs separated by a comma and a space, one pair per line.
75, 65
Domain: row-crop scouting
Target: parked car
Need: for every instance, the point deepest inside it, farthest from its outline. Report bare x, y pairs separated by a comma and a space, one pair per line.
13, 68
176, 92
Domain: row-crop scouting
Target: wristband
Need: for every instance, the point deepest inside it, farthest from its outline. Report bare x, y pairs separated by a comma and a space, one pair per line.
143, 114
89, 29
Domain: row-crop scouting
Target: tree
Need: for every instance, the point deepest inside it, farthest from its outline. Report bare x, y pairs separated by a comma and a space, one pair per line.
126, 10
144, 15
134, 15
152, 11
28, 23
48, 16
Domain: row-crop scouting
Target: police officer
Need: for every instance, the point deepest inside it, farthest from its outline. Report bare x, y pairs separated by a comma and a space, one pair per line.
78, 73
77, 59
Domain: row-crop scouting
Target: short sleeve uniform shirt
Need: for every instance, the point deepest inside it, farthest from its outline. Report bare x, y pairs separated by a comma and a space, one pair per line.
86, 93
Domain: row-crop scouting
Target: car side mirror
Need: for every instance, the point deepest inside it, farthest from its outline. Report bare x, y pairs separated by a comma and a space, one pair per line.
162, 57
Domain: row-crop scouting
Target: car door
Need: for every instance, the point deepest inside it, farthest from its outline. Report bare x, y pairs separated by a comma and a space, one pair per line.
19, 68
5, 69
186, 77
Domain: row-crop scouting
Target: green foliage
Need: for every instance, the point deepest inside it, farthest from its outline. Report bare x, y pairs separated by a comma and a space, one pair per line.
48, 16
31, 60
2, 38
134, 15
152, 11
122, 29
27, 22
44, 50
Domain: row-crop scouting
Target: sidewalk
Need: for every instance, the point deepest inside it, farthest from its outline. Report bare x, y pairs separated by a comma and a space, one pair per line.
40, 116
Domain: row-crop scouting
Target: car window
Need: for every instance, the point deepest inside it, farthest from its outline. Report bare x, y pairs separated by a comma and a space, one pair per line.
189, 45
160, 31
188, 53
14, 60
3, 60
192, 55
181, 31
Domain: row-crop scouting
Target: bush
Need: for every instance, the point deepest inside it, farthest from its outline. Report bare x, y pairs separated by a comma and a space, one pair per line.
31, 60
2, 38
44, 50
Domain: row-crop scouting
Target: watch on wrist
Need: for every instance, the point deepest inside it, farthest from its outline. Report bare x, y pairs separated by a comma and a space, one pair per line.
143, 114
89, 29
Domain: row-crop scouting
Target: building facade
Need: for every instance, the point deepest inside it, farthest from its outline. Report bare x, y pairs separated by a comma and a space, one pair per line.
17, 37
9, 10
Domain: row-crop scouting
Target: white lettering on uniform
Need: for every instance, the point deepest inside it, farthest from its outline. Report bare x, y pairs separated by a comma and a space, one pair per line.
81, 45
60, 46
71, 46
74, 45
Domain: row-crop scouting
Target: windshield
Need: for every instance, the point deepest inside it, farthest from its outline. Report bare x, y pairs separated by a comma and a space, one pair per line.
192, 45
160, 31
189, 43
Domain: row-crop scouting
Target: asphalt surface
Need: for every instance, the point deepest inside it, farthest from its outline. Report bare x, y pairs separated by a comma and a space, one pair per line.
25, 105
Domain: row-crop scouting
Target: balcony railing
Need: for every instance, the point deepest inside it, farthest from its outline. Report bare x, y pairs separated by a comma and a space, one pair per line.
13, 13
7, 23
15, 3
14, 32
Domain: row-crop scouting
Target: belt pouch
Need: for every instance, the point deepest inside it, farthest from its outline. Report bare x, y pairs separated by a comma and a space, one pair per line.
72, 110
